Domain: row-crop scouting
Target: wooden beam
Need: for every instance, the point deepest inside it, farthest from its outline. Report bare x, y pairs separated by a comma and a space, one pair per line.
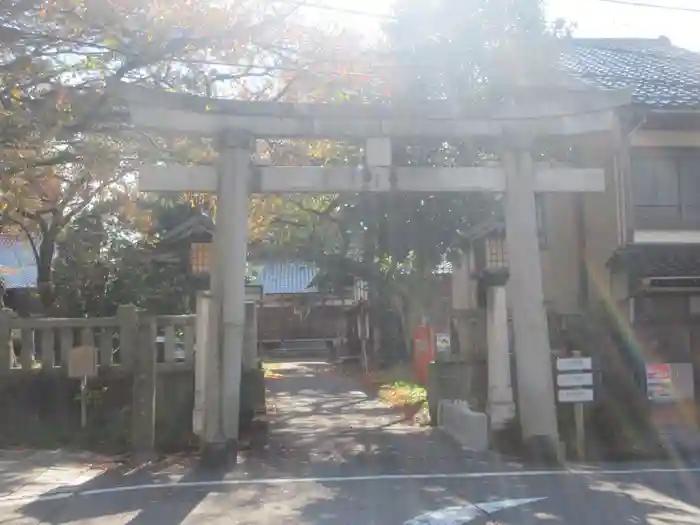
338, 180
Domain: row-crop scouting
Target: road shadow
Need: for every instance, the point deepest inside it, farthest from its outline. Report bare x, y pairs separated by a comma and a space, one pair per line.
567, 499
125, 492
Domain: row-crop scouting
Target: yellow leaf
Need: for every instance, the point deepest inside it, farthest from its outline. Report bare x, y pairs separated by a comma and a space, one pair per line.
111, 42
16, 92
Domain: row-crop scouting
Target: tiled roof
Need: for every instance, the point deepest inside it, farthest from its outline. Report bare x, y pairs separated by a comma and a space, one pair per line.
662, 75
289, 277
17, 263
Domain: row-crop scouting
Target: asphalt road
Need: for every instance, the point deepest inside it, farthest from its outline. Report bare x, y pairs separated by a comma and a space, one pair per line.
336, 457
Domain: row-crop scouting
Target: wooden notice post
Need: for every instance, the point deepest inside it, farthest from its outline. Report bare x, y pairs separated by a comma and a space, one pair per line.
82, 364
575, 384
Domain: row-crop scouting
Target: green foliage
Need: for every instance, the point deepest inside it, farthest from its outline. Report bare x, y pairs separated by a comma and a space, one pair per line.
414, 393
104, 261
66, 143
465, 52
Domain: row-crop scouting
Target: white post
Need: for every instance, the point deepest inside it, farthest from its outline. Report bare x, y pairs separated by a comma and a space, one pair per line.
501, 407
209, 359
232, 229
250, 339
205, 417
536, 403
580, 423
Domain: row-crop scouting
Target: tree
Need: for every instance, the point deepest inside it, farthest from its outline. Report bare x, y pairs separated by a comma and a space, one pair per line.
466, 53
111, 256
65, 141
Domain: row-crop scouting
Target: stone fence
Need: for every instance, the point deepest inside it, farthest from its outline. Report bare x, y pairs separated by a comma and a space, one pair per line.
144, 378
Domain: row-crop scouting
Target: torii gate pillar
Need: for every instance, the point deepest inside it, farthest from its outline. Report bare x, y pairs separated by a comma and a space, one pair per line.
232, 237
538, 415
227, 325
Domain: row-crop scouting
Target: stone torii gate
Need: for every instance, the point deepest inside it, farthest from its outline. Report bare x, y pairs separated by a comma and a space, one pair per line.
512, 128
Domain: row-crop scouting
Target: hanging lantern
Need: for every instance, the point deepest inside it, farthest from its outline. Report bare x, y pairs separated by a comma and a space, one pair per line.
200, 257
496, 253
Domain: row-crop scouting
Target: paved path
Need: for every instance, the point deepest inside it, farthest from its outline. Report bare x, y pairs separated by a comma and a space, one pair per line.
336, 457
322, 424
27, 473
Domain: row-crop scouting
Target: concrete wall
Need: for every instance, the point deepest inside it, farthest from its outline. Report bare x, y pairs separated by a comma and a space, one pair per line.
560, 261
463, 379
603, 234
561, 256
44, 411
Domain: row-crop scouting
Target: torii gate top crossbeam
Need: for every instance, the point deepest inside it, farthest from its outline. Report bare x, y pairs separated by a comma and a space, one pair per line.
566, 112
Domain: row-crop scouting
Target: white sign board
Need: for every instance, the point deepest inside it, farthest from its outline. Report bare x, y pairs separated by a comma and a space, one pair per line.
82, 362
571, 380
575, 395
574, 364
443, 343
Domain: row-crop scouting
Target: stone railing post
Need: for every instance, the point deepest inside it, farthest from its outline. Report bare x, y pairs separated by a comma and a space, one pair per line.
128, 318
143, 421
5, 341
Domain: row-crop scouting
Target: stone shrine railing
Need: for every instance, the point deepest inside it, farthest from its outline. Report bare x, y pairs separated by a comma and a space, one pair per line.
44, 344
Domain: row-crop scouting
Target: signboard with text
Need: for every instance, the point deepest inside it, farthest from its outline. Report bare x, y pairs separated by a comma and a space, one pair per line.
574, 380
575, 395
659, 382
574, 364
443, 343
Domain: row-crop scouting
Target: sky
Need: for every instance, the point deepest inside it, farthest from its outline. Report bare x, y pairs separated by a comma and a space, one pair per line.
598, 18
593, 18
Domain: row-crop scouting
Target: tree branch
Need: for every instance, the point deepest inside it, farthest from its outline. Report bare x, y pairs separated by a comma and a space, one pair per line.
63, 157
25, 230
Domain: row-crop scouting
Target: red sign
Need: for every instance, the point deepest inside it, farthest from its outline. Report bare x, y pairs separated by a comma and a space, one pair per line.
423, 351
659, 382
658, 373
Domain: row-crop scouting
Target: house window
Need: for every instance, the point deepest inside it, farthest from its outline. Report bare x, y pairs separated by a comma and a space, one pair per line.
666, 188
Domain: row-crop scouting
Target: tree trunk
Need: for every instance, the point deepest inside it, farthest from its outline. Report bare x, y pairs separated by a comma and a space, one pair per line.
44, 263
